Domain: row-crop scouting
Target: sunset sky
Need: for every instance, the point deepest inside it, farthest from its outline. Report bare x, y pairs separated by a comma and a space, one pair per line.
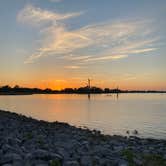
62, 43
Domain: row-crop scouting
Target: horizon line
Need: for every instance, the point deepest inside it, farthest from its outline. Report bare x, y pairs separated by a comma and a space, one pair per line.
69, 88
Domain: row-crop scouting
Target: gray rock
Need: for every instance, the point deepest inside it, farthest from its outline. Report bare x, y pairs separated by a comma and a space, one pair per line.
63, 152
164, 157
86, 161
71, 163
123, 163
18, 163
41, 154
7, 165
103, 161
10, 157
118, 148
59, 143
40, 163
138, 161
13, 141
1, 152
10, 149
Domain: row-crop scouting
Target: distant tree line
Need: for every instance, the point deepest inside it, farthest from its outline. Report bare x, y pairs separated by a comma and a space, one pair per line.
82, 90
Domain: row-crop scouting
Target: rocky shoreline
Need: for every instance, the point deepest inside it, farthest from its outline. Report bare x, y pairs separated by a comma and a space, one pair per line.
29, 142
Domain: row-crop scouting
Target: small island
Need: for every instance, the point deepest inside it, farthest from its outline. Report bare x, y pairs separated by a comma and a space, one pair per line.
26, 141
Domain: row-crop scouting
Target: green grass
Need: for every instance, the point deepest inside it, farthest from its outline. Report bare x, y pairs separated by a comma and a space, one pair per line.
128, 155
153, 160
55, 163
147, 160
29, 135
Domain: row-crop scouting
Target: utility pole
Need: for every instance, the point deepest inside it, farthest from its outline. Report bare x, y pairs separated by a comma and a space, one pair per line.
117, 93
88, 88
88, 83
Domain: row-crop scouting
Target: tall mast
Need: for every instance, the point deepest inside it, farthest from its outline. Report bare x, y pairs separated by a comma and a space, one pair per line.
88, 83
88, 88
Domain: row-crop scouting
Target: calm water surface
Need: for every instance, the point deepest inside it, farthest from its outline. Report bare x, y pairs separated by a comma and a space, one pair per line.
109, 113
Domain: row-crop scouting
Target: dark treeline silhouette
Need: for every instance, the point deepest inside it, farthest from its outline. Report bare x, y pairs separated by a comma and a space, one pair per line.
22, 90
17, 90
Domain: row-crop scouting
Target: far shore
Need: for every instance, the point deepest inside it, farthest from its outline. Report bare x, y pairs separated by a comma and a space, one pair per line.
10, 93
128, 92
17, 90
30, 142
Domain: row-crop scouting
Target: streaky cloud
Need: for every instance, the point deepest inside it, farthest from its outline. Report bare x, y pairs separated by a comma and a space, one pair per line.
72, 67
37, 16
109, 57
55, 0
106, 41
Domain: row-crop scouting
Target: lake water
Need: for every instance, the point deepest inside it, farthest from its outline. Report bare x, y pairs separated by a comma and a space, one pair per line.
111, 114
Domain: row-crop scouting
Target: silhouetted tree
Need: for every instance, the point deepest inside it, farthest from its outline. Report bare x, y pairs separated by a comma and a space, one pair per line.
107, 90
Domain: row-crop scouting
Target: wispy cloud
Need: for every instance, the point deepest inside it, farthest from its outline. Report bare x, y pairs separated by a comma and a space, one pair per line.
76, 57
128, 76
97, 42
36, 16
72, 67
55, 0
109, 57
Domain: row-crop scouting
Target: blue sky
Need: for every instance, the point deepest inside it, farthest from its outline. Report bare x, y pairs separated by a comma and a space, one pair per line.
60, 43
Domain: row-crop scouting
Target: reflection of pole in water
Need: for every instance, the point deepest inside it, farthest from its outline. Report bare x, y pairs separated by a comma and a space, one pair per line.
117, 93
89, 96
88, 88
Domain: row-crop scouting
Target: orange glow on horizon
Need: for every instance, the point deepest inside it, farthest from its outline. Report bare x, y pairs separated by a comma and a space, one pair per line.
62, 84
